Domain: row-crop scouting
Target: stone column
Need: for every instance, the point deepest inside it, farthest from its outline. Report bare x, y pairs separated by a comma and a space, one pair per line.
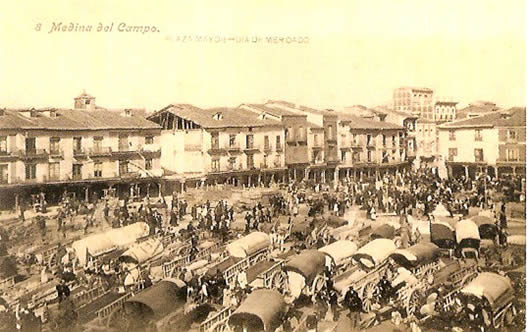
323, 176
466, 171
87, 193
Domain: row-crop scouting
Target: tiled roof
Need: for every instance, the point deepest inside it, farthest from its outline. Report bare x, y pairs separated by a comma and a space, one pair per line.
480, 108
516, 118
275, 111
68, 119
357, 122
230, 117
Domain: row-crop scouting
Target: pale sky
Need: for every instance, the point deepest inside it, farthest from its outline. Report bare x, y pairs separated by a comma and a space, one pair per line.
358, 52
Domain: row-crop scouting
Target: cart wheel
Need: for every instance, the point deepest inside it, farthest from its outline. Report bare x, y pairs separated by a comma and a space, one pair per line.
412, 302
318, 285
486, 317
369, 296
52, 261
508, 316
118, 320
277, 280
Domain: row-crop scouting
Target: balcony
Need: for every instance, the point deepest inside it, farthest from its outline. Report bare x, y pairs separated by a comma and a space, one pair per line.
251, 149
59, 153
233, 148
278, 148
267, 148
81, 152
100, 151
76, 177
263, 165
216, 150
5, 155
33, 154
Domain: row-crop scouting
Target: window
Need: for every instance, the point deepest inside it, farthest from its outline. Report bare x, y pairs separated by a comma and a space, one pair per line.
317, 156
369, 139
343, 156
31, 171
77, 144
300, 134
54, 171
385, 157
452, 153
356, 157
384, 140
98, 169
232, 140
3, 173
264, 161
479, 155
3, 144
77, 171
123, 142
232, 163
369, 156
278, 143
316, 140
288, 132
148, 164
87, 101
249, 141
478, 135
330, 132
512, 154
123, 167
215, 141
98, 143
149, 139
393, 140
354, 139
250, 161
512, 135
215, 165
266, 143
452, 135
31, 146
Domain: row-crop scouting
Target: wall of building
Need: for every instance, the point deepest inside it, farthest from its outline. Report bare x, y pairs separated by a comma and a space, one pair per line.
296, 153
466, 144
65, 158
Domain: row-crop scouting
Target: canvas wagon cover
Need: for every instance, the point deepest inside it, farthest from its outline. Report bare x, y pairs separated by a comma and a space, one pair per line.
495, 288
443, 233
157, 301
466, 229
375, 252
264, 305
248, 245
415, 255
142, 252
309, 263
129, 234
94, 245
340, 250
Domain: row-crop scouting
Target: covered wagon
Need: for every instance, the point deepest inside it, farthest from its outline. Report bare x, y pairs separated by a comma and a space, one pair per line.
305, 273
340, 253
489, 298
262, 310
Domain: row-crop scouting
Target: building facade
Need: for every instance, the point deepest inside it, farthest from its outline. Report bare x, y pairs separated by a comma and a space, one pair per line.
369, 147
418, 101
445, 111
220, 145
493, 143
83, 150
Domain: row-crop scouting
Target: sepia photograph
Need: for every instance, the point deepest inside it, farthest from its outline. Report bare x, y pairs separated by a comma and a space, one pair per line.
277, 166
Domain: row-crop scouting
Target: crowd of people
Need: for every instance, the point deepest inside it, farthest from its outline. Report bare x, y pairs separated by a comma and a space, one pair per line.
405, 193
